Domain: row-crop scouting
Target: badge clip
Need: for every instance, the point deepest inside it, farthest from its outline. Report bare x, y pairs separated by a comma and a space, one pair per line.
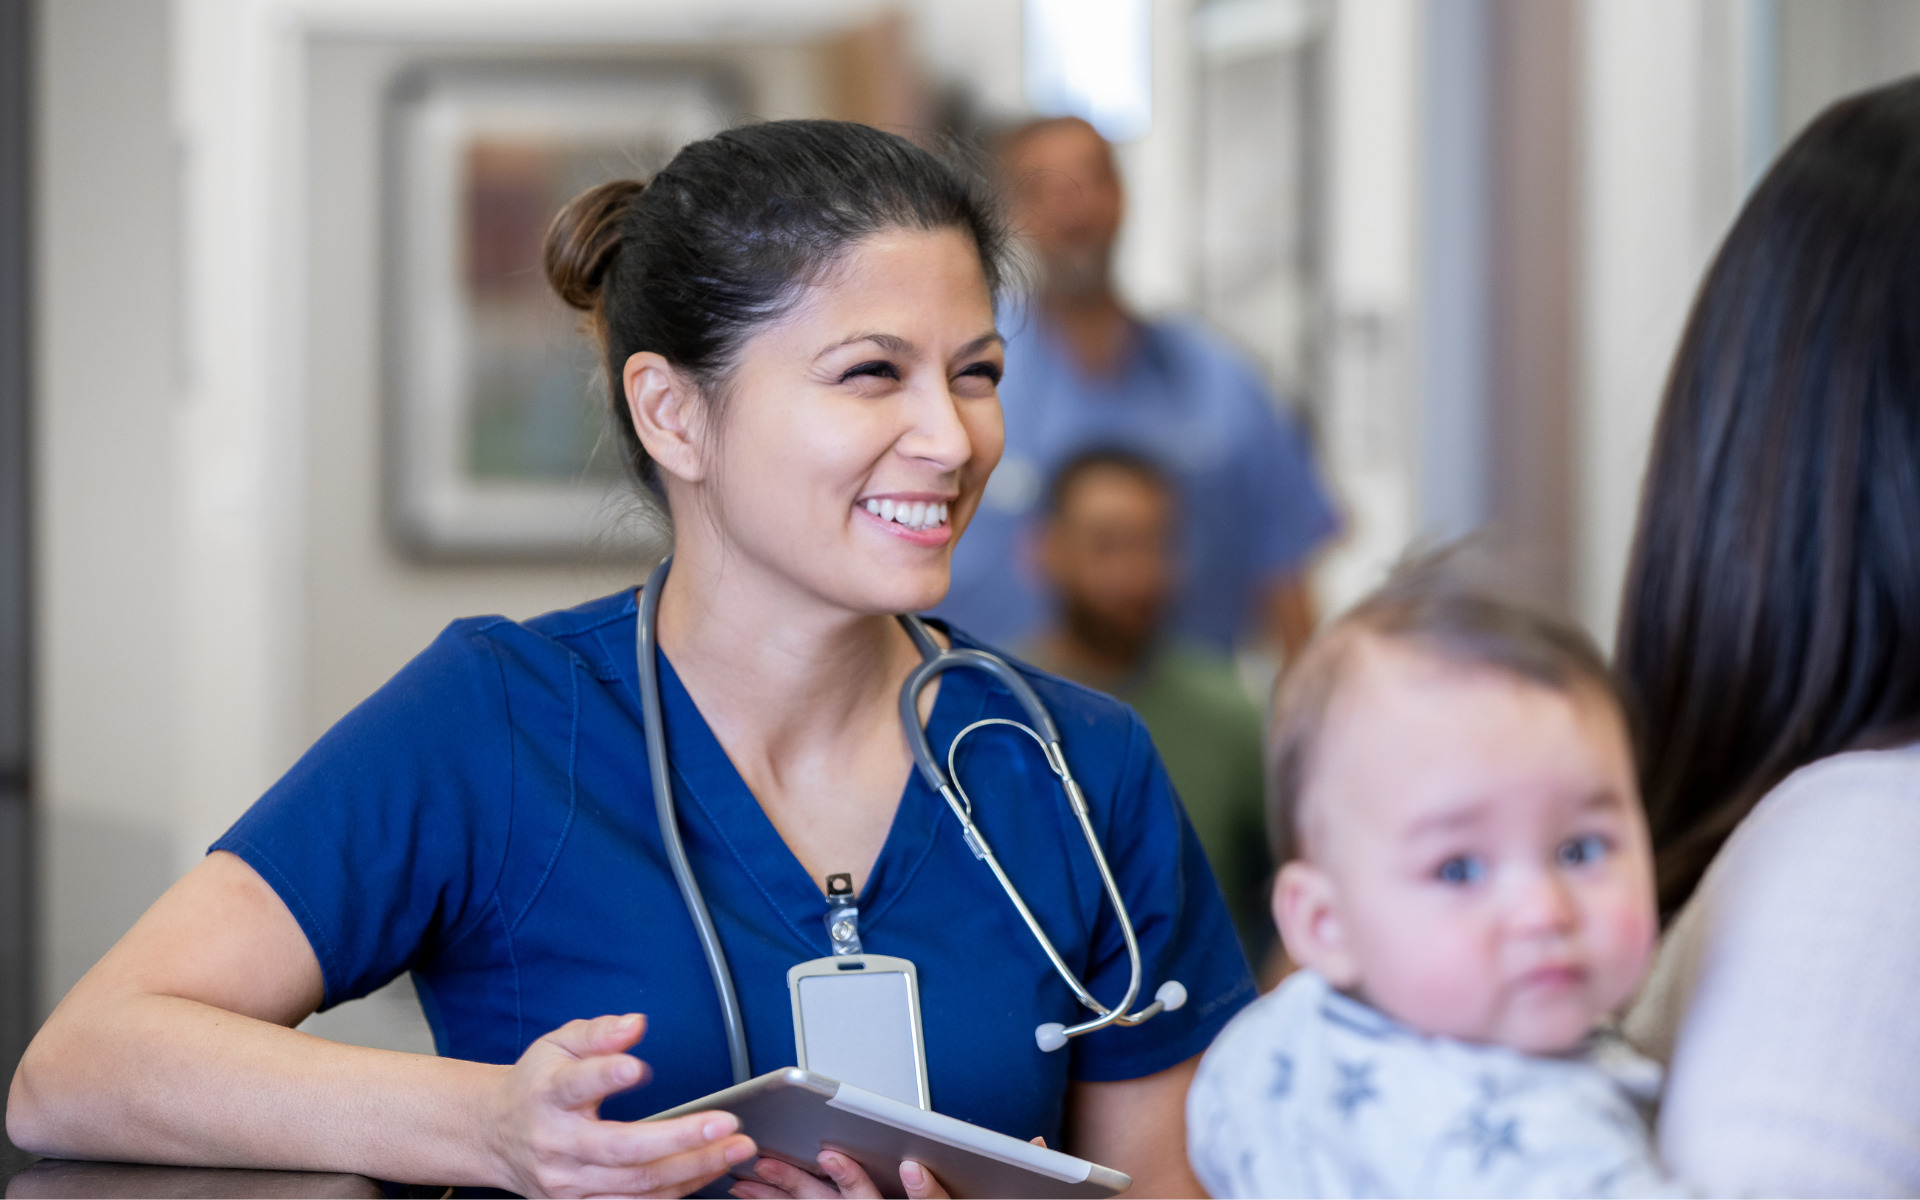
843, 916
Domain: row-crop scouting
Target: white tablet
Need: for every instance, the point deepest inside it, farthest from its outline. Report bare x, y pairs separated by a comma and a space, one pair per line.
792, 1115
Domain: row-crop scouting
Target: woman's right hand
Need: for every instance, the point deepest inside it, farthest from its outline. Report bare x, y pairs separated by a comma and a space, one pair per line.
552, 1141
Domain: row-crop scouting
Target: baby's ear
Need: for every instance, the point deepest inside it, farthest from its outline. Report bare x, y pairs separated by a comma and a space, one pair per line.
1309, 921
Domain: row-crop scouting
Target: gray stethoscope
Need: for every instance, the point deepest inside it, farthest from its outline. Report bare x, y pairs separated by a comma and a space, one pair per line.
934, 662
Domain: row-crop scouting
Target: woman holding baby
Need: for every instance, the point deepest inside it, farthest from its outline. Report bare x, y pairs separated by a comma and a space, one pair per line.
1769, 646
1469, 881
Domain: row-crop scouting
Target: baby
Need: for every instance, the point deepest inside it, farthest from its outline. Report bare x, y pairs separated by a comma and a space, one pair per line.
1468, 888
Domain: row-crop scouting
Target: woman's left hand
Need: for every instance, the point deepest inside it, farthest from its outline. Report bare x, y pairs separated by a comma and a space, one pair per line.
845, 1178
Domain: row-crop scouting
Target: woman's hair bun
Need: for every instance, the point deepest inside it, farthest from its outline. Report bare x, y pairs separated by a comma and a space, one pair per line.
584, 240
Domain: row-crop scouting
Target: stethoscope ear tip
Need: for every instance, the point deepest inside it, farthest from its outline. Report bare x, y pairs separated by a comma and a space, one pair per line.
1172, 995
1053, 1035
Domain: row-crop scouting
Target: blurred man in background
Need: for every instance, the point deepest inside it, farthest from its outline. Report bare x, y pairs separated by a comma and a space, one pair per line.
1083, 371
1105, 550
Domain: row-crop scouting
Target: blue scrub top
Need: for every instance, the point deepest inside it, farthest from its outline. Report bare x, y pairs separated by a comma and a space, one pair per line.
1252, 503
485, 820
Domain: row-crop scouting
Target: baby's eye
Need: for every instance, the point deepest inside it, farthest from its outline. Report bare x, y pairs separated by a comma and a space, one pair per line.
1461, 869
1583, 851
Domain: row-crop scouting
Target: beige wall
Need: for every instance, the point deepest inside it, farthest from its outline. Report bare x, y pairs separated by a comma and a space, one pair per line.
1830, 48
1370, 263
1654, 202
104, 419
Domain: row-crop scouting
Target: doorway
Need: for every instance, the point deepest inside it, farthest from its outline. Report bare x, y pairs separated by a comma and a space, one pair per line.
17, 993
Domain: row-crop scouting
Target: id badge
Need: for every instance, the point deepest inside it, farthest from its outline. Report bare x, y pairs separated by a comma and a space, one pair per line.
856, 1016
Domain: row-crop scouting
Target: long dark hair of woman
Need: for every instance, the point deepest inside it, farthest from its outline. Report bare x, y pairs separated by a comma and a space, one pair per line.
1772, 607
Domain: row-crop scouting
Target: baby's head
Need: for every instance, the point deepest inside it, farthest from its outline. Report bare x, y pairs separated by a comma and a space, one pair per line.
1454, 804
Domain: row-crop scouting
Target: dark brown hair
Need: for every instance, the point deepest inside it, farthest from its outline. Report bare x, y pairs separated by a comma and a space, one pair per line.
1110, 458
1772, 607
728, 234
1436, 603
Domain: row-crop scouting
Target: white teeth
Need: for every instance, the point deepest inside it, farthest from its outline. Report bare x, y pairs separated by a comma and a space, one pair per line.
920, 515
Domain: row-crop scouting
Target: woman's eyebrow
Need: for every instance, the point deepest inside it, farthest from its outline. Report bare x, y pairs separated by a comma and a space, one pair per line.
892, 343
990, 338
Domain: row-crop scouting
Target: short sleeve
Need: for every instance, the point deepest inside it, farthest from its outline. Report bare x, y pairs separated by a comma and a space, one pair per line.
1796, 1065
1180, 919
386, 838
1280, 481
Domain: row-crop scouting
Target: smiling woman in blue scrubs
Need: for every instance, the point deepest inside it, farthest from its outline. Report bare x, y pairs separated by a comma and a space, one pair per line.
798, 325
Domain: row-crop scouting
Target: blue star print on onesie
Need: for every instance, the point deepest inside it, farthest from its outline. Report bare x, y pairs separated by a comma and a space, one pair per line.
1311, 1093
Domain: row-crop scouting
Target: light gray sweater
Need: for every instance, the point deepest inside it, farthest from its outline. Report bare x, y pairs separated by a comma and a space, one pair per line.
1786, 998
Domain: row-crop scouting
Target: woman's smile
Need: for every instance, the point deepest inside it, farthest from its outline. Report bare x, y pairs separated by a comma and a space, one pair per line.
920, 518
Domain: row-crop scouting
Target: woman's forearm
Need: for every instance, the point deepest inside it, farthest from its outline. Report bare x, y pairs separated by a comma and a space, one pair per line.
177, 1048
153, 1078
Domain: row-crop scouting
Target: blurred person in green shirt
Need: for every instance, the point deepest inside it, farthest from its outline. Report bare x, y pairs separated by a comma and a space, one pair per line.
1105, 549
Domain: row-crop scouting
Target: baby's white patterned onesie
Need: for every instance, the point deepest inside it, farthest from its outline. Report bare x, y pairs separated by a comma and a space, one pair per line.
1309, 1092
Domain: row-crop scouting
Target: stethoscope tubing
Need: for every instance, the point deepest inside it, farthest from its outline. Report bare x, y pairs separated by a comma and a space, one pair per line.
935, 661
652, 718
945, 782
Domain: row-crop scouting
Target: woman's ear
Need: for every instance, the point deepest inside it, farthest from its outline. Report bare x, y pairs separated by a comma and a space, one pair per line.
666, 411
1305, 910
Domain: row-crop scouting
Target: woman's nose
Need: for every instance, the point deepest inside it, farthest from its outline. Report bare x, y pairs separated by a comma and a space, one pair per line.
938, 435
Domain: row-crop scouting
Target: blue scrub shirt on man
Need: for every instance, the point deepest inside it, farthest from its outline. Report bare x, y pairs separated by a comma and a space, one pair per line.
1252, 504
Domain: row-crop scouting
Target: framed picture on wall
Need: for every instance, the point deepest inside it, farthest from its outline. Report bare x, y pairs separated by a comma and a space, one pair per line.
499, 439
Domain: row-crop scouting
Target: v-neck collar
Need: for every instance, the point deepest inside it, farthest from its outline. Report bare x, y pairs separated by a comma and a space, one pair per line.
706, 781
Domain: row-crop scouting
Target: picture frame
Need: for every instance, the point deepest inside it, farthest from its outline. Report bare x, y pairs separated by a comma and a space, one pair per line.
499, 440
